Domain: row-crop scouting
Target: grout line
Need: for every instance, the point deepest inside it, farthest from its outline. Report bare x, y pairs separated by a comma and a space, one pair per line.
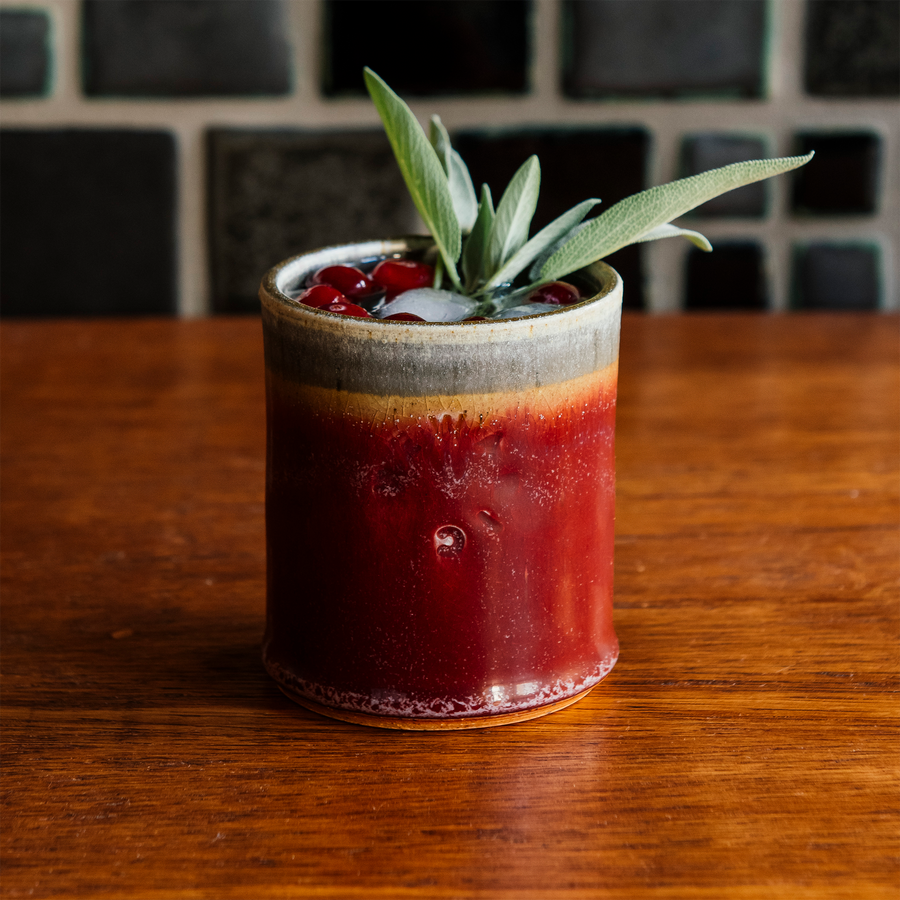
192, 256
546, 56
305, 25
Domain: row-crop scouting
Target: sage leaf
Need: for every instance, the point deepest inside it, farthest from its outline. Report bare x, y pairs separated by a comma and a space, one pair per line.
544, 239
535, 272
462, 191
514, 214
634, 217
465, 201
421, 169
476, 242
440, 140
669, 230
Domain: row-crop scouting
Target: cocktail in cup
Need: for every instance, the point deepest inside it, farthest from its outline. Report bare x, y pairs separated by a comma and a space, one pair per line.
440, 493
439, 505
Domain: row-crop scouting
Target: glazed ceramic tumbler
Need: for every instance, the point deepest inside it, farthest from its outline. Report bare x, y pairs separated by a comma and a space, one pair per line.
439, 505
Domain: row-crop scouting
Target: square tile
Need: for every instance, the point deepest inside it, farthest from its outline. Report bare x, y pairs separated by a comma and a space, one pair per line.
274, 194
732, 277
24, 53
185, 48
702, 152
843, 177
853, 48
575, 164
661, 48
836, 277
442, 47
90, 216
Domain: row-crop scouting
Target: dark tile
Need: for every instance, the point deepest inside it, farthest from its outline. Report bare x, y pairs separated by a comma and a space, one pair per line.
185, 48
24, 53
836, 276
853, 48
438, 47
275, 194
731, 277
843, 177
575, 164
701, 152
88, 222
659, 48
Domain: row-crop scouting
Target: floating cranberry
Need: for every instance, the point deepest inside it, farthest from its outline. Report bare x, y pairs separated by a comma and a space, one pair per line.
403, 317
559, 292
348, 309
349, 280
397, 275
320, 295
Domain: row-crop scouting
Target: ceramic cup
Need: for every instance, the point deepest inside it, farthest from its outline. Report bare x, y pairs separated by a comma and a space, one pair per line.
439, 505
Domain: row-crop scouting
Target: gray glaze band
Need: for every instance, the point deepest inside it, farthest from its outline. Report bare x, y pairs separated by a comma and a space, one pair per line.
406, 359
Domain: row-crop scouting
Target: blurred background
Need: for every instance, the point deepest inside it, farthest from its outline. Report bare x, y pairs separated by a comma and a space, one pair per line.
158, 156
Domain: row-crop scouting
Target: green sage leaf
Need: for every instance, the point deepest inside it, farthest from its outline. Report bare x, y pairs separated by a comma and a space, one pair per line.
465, 201
535, 272
634, 217
476, 242
462, 191
669, 230
545, 238
421, 169
514, 214
440, 140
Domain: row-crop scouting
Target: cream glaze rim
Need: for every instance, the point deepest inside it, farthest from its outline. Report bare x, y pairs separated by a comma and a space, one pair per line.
296, 268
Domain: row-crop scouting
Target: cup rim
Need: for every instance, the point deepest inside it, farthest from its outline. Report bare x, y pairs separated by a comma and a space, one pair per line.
276, 282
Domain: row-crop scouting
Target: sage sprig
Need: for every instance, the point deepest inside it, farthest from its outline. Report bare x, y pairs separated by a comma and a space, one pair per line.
492, 246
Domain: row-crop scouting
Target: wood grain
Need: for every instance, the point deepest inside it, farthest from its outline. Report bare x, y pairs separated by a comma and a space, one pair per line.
745, 746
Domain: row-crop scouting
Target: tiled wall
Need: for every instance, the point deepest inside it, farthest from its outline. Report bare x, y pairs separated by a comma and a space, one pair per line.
159, 155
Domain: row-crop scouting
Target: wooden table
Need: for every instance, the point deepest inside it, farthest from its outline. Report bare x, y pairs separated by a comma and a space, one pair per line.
744, 746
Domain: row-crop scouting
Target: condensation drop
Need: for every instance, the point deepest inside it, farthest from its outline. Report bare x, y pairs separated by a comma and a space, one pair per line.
449, 540
489, 520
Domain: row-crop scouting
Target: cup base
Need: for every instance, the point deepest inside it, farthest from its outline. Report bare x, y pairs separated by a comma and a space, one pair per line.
405, 723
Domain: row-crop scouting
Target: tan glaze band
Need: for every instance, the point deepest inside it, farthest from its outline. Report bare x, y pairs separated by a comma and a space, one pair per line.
404, 724
549, 400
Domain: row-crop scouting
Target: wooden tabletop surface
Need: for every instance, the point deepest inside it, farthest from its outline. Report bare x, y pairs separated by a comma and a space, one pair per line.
744, 746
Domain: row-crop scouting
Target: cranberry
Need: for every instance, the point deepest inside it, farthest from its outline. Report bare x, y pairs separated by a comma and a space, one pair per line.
397, 275
403, 317
348, 309
559, 292
320, 295
347, 279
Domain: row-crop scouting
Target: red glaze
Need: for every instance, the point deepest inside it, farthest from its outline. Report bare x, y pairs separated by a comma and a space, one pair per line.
348, 309
560, 292
351, 281
397, 275
403, 317
478, 577
320, 295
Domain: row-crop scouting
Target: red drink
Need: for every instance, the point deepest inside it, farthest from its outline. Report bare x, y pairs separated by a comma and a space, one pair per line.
439, 558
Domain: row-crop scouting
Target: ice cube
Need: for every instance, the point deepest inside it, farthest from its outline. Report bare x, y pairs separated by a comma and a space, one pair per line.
527, 309
431, 304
